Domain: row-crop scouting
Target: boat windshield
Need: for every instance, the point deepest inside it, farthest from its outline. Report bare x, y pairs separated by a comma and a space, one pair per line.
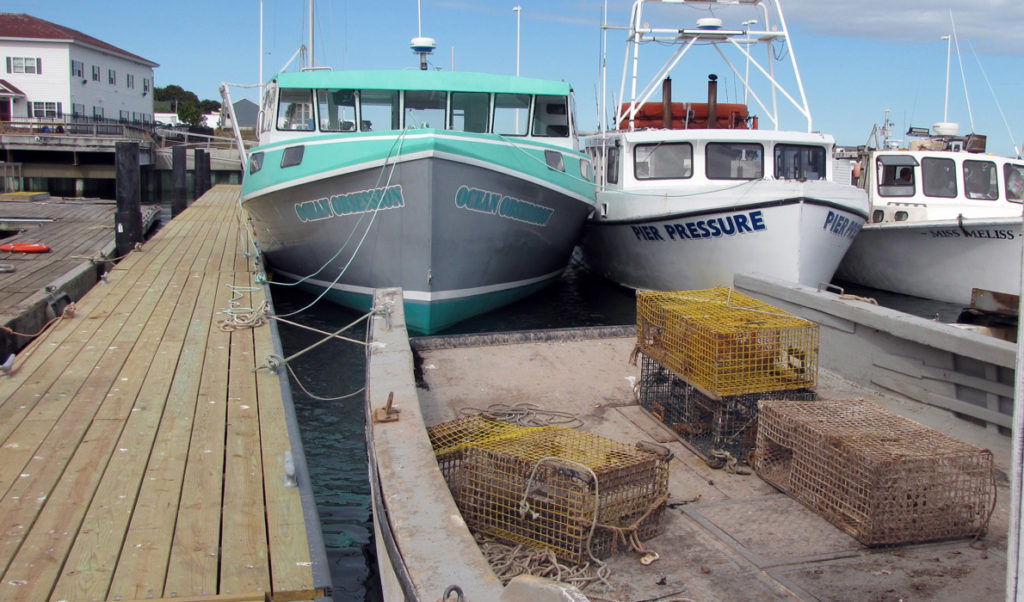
799, 162
734, 161
663, 161
981, 180
1014, 176
938, 177
349, 110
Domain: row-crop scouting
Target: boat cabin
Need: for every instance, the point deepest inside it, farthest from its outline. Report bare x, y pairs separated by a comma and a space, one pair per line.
343, 102
657, 158
926, 184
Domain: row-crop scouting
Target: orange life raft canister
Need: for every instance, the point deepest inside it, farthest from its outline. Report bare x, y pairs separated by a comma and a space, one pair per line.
24, 247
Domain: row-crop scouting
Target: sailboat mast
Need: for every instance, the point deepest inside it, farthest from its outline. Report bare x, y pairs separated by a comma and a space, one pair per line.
312, 61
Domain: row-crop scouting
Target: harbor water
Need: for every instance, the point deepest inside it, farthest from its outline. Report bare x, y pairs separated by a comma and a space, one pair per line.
328, 380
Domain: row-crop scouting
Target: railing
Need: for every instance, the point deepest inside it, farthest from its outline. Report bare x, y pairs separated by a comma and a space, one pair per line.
177, 137
77, 126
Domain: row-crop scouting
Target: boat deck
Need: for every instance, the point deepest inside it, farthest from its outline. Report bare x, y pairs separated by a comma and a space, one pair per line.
143, 453
80, 233
727, 536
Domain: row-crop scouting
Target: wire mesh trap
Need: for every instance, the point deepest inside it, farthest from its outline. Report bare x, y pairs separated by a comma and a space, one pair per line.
880, 477
722, 430
572, 492
727, 343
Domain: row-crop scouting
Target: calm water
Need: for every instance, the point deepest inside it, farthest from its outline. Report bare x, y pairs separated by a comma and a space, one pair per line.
332, 431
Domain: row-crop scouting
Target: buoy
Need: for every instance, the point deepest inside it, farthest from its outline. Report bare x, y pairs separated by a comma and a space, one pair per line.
25, 247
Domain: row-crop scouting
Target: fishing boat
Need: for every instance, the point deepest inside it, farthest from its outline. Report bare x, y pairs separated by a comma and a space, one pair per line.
945, 216
691, 193
465, 189
725, 534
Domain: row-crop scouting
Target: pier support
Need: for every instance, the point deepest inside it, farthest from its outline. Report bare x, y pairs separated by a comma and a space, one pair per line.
200, 173
178, 159
128, 219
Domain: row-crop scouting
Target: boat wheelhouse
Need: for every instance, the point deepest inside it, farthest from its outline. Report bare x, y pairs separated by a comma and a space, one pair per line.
465, 189
945, 219
690, 194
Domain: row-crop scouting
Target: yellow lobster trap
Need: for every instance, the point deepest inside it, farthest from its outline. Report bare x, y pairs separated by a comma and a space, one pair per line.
552, 487
727, 343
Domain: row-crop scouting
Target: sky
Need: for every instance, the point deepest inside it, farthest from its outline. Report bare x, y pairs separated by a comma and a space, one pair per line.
857, 58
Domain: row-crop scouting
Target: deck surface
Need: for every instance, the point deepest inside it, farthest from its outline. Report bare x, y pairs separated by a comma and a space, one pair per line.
142, 455
80, 234
726, 536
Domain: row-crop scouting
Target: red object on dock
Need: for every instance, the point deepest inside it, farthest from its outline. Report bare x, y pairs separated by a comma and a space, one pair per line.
25, 247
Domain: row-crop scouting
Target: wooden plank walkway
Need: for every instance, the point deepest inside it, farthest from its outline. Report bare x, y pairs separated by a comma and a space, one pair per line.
142, 454
78, 232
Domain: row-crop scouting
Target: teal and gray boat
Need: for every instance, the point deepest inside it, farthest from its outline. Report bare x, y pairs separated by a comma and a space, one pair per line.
466, 190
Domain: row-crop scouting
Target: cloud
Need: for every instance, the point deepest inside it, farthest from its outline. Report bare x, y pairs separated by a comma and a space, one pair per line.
991, 26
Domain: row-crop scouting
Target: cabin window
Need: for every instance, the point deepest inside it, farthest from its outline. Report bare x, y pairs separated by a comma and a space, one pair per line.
980, 180
663, 161
1014, 176
469, 111
896, 175
734, 161
295, 110
511, 113
378, 110
337, 110
612, 165
799, 162
425, 109
938, 177
551, 117
266, 116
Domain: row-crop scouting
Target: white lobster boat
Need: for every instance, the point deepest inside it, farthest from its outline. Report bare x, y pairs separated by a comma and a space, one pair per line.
945, 219
690, 194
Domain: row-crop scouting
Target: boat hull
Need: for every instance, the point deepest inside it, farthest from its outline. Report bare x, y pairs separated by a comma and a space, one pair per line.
798, 240
459, 238
940, 260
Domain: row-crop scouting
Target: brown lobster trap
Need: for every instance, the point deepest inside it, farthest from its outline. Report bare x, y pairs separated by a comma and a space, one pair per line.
880, 477
553, 487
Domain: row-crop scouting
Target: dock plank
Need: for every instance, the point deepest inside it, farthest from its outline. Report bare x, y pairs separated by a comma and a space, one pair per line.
142, 452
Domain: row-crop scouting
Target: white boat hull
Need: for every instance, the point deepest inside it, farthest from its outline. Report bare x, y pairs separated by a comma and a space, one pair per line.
798, 240
940, 260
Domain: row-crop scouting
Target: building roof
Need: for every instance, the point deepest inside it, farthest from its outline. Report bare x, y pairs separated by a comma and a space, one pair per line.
26, 27
8, 90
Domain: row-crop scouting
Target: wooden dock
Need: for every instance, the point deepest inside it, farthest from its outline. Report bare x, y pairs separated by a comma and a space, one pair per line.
142, 451
80, 234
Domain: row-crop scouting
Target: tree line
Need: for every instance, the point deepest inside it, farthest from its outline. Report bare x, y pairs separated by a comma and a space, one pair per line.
185, 103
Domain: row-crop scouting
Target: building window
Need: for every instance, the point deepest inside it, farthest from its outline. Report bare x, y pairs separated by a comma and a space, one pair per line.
111, 77
124, 117
46, 109
145, 85
97, 112
24, 64
129, 80
95, 73
77, 110
77, 68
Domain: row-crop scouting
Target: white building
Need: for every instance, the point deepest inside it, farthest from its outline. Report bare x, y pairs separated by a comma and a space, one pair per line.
52, 72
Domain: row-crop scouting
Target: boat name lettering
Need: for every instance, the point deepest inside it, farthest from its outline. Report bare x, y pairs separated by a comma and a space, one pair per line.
496, 203
841, 226
362, 201
729, 225
997, 234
